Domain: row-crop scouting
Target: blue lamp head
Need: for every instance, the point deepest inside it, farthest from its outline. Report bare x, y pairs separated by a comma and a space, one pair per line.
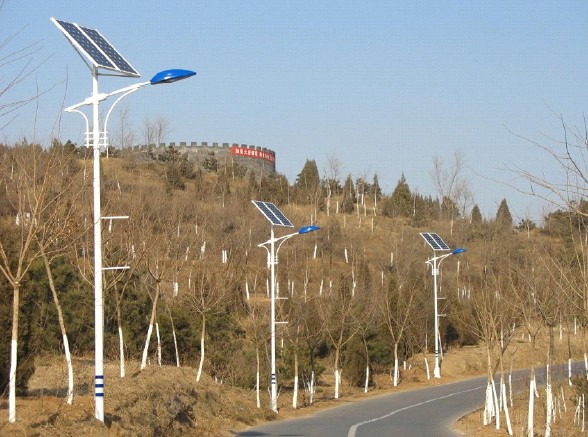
169, 76
307, 229
458, 251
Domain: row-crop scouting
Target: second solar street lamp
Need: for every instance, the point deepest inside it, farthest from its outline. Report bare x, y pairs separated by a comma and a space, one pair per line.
437, 244
276, 218
103, 60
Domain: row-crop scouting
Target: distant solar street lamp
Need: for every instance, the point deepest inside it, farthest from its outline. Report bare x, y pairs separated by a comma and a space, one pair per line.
103, 59
276, 218
437, 244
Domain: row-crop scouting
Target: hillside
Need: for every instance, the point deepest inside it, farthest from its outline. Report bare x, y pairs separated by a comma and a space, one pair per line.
355, 295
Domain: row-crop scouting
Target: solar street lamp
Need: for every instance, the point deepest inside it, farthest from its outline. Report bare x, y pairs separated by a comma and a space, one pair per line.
103, 59
276, 218
437, 244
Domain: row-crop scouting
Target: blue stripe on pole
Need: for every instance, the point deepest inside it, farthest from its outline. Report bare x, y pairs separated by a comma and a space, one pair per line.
99, 385
100, 395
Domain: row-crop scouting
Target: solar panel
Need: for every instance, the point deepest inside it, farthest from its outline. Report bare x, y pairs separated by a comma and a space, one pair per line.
272, 213
109, 51
95, 48
434, 241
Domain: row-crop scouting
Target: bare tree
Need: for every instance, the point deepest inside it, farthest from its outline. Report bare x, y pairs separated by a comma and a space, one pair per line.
21, 62
56, 243
27, 175
332, 180
567, 187
337, 314
488, 313
366, 321
155, 130
124, 135
397, 306
255, 325
209, 289
148, 132
452, 184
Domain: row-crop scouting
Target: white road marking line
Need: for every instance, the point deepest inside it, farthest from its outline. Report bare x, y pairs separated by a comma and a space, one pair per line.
353, 429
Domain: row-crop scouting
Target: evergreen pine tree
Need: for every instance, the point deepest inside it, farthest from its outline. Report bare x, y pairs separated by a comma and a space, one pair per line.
503, 216
401, 199
308, 183
476, 215
349, 197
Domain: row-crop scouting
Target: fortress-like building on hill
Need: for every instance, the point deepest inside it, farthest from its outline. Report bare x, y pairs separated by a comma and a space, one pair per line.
259, 159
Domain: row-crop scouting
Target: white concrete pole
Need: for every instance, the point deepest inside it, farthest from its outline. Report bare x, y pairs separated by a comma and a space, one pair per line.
437, 369
274, 382
98, 299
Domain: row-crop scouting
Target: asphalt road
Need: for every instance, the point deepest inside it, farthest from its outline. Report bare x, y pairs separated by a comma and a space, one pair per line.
430, 411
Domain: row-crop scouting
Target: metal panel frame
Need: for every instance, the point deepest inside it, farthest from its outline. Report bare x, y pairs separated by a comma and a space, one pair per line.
435, 241
273, 214
92, 45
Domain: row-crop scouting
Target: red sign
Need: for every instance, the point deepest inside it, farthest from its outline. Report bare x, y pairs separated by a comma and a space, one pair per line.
252, 153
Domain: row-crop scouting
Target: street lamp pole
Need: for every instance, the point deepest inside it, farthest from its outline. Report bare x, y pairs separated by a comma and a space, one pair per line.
273, 261
94, 100
435, 264
98, 286
272, 253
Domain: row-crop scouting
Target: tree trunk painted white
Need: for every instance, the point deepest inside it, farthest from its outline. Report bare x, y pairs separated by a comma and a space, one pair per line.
150, 329
531, 412
583, 413
496, 407
158, 344
176, 346
500, 396
146, 348
549, 409
171, 319
367, 379
489, 410
337, 382
12, 382
570, 372
586, 363
505, 404
488, 405
202, 333
510, 387
70, 379
121, 351
427, 369
257, 394
396, 370
311, 387
295, 394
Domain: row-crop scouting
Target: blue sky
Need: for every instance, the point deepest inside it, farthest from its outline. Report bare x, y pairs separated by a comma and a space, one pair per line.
383, 86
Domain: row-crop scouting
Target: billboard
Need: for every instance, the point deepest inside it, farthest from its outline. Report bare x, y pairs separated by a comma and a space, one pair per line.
253, 153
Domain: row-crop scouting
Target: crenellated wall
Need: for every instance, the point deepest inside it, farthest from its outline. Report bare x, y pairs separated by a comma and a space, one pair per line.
258, 159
